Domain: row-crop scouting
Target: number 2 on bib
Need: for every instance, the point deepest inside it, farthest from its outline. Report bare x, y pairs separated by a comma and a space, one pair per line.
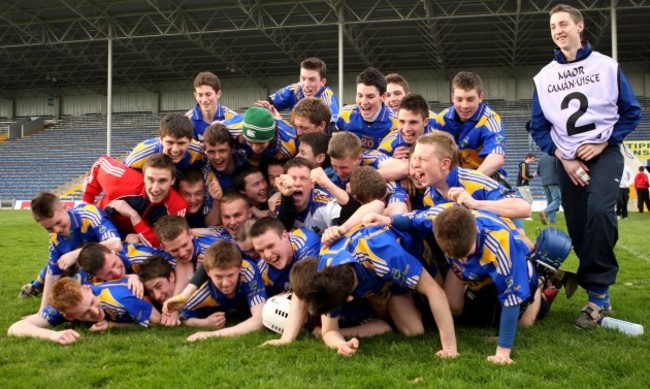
571, 122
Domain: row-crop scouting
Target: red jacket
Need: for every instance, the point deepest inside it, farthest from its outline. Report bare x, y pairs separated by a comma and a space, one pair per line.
641, 181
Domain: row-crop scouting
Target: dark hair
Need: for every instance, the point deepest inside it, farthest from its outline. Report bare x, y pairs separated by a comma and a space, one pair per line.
160, 161
467, 81
207, 78
315, 110
218, 133
298, 162
575, 13
395, 78
92, 257
170, 227
176, 125
264, 224
44, 204
322, 291
191, 176
366, 184
154, 267
416, 104
372, 77
455, 230
239, 179
318, 142
315, 64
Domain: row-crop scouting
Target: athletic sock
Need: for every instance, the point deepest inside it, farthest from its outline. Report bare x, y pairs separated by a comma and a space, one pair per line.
599, 295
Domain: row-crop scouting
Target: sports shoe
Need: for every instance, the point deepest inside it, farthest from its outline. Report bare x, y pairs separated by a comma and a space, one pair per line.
30, 290
549, 293
543, 217
589, 317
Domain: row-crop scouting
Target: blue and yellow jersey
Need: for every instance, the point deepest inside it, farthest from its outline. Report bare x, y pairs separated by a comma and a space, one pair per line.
193, 158
283, 147
499, 258
223, 113
209, 299
133, 254
290, 95
224, 179
377, 258
87, 224
395, 192
53, 317
478, 185
371, 134
479, 136
304, 243
120, 305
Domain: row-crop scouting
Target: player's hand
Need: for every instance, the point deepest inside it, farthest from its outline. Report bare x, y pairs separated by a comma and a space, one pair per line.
170, 319
447, 353
577, 171
375, 219
348, 348
461, 197
589, 151
201, 336
100, 326
123, 208
67, 260
65, 337
409, 186
275, 342
285, 184
174, 304
331, 235
132, 238
214, 189
274, 201
319, 177
318, 332
200, 258
260, 213
402, 152
217, 319
270, 107
135, 285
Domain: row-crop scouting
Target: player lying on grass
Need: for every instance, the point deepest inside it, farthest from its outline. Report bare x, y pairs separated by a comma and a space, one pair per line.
103, 306
235, 284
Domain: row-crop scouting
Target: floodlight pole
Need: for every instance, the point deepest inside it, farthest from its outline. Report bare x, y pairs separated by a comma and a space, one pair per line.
341, 21
614, 31
109, 91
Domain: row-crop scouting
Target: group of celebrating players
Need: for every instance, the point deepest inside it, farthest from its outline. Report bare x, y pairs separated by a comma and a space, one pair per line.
336, 217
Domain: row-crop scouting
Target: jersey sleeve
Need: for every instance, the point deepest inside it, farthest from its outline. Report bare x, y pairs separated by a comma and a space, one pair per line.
200, 303
53, 317
138, 309
252, 284
284, 98
140, 153
94, 219
492, 134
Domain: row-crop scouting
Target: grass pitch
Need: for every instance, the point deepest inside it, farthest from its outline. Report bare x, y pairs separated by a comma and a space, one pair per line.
551, 354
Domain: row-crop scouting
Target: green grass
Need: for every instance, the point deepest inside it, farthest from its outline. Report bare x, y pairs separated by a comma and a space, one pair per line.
551, 354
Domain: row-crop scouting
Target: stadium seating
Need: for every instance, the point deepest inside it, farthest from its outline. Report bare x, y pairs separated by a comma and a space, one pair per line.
52, 157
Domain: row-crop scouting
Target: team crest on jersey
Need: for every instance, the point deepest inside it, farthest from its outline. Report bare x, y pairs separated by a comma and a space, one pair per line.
510, 282
102, 229
396, 274
254, 285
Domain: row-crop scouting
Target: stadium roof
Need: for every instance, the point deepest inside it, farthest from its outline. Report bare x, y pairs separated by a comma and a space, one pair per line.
63, 43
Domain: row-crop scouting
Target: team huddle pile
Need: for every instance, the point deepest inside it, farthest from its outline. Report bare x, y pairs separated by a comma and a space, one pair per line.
352, 210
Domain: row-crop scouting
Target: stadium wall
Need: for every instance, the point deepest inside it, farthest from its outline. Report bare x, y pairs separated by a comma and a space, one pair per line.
241, 92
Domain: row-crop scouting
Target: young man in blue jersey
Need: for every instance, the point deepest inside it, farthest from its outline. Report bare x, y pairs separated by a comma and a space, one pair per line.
476, 128
582, 108
219, 146
234, 283
370, 119
250, 181
311, 115
207, 92
191, 188
69, 229
106, 305
312, 83
412, 119
175, 141
263, 136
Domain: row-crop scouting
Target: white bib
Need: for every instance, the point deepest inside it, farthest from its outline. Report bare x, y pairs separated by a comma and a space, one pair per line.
579, 99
